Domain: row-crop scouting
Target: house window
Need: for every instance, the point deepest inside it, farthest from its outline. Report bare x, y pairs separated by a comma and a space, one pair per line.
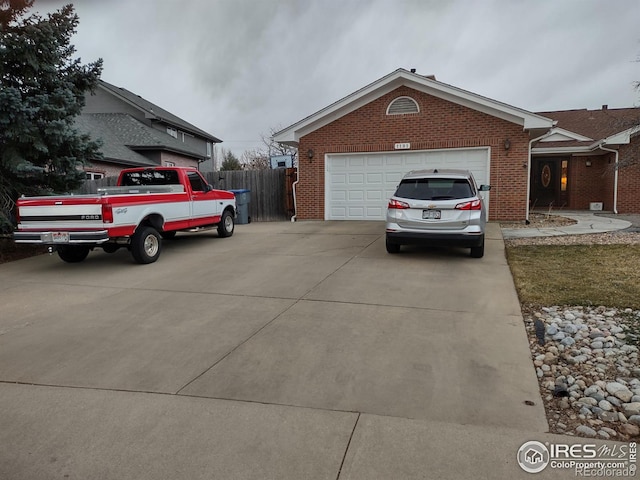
209, 149
402, 105
183, 135
563, 177
93, 175
169, 164
172, 131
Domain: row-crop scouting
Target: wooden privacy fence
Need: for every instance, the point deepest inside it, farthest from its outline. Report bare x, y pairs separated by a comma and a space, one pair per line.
271, 190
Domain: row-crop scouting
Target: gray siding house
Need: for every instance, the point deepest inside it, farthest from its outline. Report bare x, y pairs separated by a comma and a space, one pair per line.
137, 133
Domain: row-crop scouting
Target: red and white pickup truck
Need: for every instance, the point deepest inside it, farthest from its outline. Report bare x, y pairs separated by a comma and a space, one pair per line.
147, 204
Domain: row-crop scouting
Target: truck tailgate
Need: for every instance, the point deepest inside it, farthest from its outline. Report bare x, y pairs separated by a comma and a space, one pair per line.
82, 211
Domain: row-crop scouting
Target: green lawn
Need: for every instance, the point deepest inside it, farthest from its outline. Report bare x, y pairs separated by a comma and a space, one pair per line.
577, 274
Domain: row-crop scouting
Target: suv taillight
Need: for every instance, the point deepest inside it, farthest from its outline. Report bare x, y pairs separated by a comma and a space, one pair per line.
472, 205
397, 204
107, 213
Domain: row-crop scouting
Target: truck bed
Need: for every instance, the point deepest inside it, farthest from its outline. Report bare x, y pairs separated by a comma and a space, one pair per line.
136, 189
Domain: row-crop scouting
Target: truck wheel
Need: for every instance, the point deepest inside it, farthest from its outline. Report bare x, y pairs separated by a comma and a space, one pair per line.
226, 225
146, 245
72, 253
110, 247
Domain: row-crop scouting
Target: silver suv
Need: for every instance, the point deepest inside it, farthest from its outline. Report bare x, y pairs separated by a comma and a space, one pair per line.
437, 207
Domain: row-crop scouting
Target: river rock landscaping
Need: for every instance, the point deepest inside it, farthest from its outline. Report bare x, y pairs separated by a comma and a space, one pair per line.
586, 360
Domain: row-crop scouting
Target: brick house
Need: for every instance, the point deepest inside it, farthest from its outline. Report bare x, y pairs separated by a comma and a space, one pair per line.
136, 132
353, 152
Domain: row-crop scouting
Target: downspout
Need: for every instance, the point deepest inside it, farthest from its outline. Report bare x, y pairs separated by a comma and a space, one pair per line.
615, 177
295, 207
550, 132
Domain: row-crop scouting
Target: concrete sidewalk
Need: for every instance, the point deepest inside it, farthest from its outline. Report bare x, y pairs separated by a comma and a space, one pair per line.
588, 222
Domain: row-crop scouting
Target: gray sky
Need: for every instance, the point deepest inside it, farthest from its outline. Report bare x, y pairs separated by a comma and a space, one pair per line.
236, 68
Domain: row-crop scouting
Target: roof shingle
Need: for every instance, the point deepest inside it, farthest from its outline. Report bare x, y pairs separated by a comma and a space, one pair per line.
122, 135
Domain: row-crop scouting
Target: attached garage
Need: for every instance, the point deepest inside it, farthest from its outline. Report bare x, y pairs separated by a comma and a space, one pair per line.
358, 186
353, 153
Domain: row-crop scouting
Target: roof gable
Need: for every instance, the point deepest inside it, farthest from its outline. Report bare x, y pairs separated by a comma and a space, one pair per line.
597, 124
154, 112
401, 77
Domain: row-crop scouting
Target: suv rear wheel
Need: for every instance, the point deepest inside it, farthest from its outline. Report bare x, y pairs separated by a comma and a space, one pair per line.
392, 247
478, 252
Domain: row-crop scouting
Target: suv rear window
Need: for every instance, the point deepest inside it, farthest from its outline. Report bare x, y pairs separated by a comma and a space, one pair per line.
434, 189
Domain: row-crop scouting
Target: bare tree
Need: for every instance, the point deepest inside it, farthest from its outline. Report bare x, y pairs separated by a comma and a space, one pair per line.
274, 148
255, 160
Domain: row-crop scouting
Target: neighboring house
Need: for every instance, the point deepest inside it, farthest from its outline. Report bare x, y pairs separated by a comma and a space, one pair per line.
353, 153
136, 132
589, 157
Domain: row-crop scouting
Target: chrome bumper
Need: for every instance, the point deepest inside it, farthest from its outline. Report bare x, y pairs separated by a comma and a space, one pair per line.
46, 238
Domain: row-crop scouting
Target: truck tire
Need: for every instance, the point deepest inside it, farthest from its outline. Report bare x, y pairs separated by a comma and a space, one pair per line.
226, 225
73, 253
146, 245
110, 247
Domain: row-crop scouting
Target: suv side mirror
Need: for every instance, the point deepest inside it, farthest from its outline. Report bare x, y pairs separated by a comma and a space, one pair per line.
485, 188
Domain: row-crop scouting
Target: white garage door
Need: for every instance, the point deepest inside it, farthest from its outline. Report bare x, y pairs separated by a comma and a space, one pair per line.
358, 186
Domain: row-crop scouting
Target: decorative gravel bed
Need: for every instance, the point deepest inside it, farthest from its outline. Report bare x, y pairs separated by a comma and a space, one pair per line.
620, 237
586, 358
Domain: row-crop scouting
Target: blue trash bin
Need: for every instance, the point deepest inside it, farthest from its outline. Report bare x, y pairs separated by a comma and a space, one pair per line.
243, 197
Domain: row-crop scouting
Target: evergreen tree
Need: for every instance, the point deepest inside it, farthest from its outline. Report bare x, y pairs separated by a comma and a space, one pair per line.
230, 162
42, 89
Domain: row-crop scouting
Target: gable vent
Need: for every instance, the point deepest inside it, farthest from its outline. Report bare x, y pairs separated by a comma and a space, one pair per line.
402, 105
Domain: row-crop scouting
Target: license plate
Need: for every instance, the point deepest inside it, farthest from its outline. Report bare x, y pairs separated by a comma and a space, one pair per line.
431, 214
60, 237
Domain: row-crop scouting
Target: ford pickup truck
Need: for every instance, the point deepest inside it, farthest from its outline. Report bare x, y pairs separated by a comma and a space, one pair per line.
147, 205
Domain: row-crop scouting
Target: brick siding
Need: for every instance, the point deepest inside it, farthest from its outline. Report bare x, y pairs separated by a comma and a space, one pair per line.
629, 177
439, 124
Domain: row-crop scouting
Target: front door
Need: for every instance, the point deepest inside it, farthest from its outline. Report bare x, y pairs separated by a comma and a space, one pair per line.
548, 183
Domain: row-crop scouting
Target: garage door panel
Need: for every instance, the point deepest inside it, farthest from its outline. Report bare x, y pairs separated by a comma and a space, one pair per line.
375, 178
417, 162
355, 178
339, 212
358, 186
338, 179
374, 195
391, 160
374, 213
355, 195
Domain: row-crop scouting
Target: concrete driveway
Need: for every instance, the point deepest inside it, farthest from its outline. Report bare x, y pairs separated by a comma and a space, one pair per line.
288, 351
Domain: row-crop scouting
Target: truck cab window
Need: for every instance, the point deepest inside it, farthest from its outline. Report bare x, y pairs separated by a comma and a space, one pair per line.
197, 185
